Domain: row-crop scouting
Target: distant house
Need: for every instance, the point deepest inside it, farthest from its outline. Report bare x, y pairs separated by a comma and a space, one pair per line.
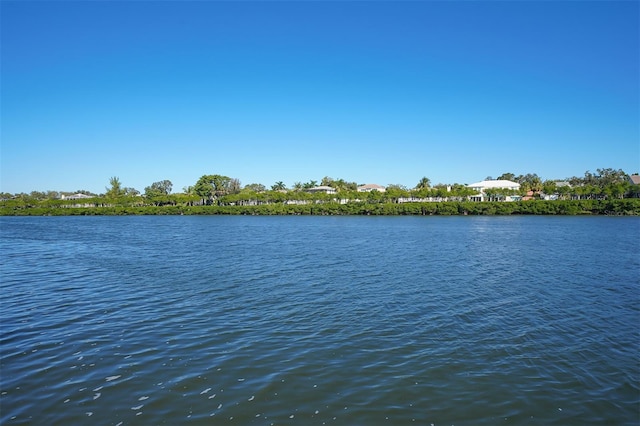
483, 186
323, 189
556, 196
77, 196
371, 187
635, 180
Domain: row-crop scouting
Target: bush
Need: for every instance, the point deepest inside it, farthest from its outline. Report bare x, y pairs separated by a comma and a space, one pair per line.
630, 206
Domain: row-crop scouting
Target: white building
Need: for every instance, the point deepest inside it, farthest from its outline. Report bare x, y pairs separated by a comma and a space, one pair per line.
481, 188
371, 187
77, 196
321, 189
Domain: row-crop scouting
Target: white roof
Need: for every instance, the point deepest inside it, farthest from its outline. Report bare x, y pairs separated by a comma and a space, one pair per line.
321, 188
371, 185
495, 184
76, 196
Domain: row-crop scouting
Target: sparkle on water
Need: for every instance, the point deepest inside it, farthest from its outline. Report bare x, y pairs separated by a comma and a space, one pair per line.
320, 320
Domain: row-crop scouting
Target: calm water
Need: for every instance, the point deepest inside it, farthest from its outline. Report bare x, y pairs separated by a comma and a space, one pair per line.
320, 320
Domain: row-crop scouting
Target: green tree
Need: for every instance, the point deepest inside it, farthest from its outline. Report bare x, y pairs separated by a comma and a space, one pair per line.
441, 190
607, 177
343, 185
563, 191
158, 189
38, 195
326, 181
549, 187
233, 186
507, 176
395, 192
208, 187
603, 178
617, 189
396, 186
530, 182
424, 183
130, 192
278, 186
116, 189
461, 192
255, 187
374, 197
338, 184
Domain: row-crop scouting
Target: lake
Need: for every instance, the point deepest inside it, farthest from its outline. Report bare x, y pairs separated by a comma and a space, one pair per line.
141, 320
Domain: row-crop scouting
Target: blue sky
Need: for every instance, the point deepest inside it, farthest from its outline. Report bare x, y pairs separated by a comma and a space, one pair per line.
371, 92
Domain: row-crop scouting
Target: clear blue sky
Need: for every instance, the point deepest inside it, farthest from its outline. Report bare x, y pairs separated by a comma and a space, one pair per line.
371, 92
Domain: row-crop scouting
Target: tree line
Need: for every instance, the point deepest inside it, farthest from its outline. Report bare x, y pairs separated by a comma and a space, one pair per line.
220, 190
626, 207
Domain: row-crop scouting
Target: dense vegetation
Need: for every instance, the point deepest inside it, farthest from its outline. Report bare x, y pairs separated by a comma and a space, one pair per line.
608, 192
629, 206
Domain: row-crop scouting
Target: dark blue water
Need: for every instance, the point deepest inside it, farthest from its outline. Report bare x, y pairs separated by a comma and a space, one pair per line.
320, 320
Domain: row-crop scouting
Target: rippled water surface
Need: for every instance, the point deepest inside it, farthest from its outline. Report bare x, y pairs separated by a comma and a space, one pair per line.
320, 320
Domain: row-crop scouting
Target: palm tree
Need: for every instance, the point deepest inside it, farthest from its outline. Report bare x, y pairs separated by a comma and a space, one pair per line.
424, 183
278, 186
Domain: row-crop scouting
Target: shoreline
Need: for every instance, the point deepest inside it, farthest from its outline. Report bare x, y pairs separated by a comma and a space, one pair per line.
618, 207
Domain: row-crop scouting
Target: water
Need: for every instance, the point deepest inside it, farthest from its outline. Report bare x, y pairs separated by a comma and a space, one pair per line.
320, 320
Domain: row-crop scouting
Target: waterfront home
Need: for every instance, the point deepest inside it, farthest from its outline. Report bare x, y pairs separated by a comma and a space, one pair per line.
562, 186
322, 189
77, 196
371, 187
635, 180
491, 185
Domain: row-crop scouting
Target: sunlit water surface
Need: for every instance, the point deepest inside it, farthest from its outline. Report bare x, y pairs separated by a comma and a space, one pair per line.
320, 320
